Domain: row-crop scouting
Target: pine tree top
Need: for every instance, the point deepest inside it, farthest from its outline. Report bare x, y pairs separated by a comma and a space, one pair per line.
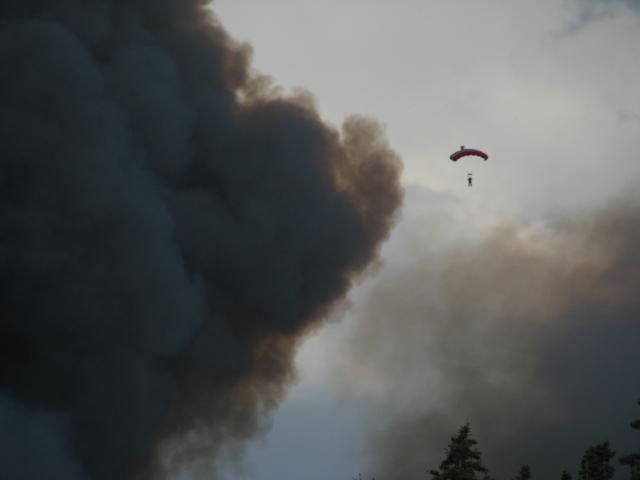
462, 460
636, 423
595, 463
633, 459
565, 475
524, 473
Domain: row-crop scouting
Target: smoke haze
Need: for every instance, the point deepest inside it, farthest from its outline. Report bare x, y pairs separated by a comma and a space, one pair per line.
530, 332
170, 226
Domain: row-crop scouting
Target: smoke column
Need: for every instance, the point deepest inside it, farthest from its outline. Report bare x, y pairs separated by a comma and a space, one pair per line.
530, 332
169, 228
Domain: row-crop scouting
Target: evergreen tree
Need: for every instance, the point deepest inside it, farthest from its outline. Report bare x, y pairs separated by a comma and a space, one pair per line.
633, 459
595, 463
462, 461
524, 473
565, 475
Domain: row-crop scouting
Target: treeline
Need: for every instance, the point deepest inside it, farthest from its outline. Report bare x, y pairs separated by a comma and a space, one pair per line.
463, 461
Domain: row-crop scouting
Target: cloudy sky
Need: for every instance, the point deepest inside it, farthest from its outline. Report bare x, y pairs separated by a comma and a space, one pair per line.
489, 303
233, 247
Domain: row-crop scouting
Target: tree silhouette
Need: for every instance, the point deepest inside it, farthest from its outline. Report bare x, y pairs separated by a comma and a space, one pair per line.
524, 473
462, 461
633, 459
565, 475
595, 463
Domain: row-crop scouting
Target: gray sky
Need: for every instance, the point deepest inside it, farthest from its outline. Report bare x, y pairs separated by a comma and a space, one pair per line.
524, 80
549, 89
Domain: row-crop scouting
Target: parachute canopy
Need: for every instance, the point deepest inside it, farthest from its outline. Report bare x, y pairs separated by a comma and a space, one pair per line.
465, 152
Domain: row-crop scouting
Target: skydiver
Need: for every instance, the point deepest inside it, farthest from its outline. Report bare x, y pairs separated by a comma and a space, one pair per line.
470, 180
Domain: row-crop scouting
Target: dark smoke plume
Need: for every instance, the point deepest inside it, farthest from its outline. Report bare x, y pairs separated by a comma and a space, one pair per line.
168, 229
531, 333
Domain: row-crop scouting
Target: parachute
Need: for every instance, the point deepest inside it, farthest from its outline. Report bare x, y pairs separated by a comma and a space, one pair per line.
465, 152
468, 152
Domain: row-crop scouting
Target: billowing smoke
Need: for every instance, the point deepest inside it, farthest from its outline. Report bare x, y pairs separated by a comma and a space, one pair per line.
169, 228
531, 333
